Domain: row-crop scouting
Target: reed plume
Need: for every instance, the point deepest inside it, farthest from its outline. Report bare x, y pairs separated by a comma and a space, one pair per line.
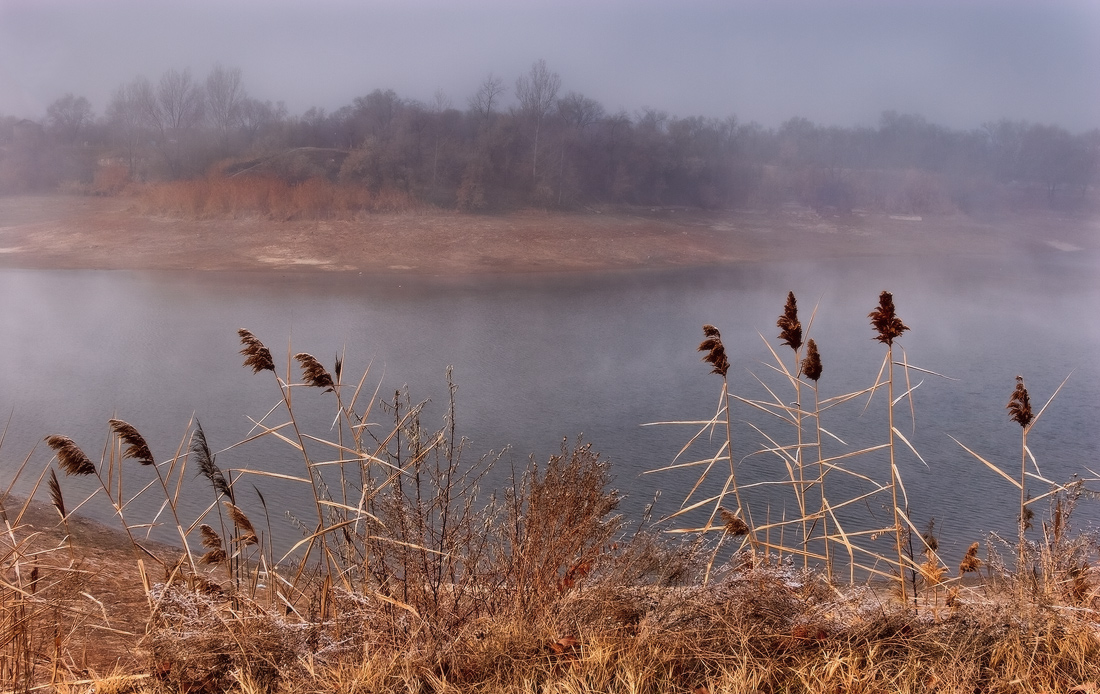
55, 494
715, 350
888, 326
257, 356
72, 460
790, 329
201, 451
811, 364
811, 368
1019, 410
136, 446
313, 373
790, 332
1019, 405
213, 543
884, 320
734, 525
244, 526
970, 562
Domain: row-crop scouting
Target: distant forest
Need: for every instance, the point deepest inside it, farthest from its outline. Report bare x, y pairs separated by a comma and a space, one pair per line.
529, 142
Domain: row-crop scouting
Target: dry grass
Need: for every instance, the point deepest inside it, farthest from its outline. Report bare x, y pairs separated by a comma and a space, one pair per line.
411, 578
270, 198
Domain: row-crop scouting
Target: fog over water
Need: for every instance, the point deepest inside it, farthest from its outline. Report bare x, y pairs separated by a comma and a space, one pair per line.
542, 358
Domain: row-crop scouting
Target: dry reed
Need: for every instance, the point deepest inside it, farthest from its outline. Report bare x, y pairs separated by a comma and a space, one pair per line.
412, 581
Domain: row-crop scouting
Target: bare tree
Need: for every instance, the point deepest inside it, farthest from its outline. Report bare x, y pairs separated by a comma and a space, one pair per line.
257, 116
482, 101
172, 109
180, 101
126, 115
537, 92
68, 115
577, 112
225, 97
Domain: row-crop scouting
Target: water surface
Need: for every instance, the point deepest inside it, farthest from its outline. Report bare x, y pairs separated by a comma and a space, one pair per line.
539, 359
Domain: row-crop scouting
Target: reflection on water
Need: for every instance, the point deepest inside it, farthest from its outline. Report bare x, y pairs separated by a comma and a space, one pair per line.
538, 359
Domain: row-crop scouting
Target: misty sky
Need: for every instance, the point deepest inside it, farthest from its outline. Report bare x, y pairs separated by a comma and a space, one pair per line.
837, 62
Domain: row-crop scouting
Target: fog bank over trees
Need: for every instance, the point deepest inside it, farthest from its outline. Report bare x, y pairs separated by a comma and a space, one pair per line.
533, 141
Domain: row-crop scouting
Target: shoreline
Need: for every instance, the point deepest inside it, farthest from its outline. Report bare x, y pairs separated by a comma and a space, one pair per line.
65, 232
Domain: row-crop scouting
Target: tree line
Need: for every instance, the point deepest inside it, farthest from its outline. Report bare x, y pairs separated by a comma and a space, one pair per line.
530, 142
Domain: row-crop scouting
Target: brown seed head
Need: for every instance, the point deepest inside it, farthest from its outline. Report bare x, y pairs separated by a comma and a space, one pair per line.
200, 450
790, 330
715, 351
213, 543
69, 456
244, 526
55, 494
1027, 517
884, 321
136, 446
213, 556
734, 525
256, 355
811, 364
932, 571
1019, 405
970, 562
313, 373
210, 537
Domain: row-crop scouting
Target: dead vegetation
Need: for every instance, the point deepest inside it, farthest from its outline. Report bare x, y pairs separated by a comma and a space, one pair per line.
410, 576
269, 197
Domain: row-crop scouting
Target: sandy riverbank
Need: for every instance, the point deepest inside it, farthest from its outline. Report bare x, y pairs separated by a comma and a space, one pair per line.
71, 232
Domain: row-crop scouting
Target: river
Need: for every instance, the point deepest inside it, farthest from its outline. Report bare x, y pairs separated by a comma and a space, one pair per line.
543, 358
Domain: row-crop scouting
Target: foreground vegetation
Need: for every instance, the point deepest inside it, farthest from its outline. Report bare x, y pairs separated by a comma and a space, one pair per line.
407, 575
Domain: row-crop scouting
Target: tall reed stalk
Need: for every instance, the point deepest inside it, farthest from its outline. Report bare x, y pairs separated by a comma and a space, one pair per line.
812, 368
1019, 409
889, 327
790, 332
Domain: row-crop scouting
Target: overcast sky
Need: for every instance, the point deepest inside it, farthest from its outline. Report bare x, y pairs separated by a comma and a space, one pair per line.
838, 62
